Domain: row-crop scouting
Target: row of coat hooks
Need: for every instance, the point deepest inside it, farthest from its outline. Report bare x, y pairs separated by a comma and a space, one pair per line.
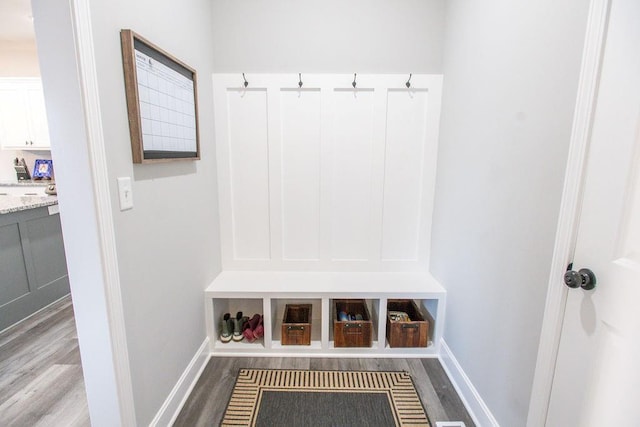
353, 83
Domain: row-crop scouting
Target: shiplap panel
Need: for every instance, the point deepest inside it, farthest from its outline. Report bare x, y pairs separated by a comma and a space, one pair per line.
403, 183
326, 177
300, 130
351, 174
249, 168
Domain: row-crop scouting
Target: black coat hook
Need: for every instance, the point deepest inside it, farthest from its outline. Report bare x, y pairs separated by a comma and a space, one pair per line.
354, 81
246, 83
299, 79
408, 83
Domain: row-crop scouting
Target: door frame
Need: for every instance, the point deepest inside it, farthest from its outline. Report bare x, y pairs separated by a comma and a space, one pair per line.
87, 71
98, 309
569, 215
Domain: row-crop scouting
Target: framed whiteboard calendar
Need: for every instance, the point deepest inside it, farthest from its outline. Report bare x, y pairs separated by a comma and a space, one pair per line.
162, 102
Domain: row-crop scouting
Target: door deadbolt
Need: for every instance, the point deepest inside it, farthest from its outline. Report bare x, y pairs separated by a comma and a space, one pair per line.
584, 278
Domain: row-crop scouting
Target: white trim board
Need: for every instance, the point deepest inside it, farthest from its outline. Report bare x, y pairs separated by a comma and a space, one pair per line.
81, 16
471, 399
63, 30
569, 213
356, 353
172, 406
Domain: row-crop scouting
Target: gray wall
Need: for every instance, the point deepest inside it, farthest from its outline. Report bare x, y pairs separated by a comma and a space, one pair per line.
511, 72
356, 36
79, 213
168, 245
510, 81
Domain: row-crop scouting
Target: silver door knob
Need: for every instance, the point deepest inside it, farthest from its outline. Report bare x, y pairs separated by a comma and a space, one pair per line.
584, 278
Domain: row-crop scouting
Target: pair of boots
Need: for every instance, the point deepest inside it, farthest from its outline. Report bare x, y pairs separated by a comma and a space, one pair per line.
241, 327
254, 328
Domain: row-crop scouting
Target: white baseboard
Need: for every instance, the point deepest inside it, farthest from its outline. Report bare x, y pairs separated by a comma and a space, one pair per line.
171, 407
478, 410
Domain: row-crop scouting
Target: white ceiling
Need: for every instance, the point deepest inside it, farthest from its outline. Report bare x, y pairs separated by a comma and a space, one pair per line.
16, 23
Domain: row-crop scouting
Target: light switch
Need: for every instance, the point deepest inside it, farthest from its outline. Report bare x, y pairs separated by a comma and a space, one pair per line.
126, 193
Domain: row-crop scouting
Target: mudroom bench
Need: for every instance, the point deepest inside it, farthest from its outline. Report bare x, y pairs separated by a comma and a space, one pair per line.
269, 292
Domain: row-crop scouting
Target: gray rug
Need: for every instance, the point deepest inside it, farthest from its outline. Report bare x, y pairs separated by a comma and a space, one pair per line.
266, 397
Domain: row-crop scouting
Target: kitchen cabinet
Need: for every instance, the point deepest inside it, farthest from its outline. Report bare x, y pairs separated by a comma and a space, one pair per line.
23, 118
33, 268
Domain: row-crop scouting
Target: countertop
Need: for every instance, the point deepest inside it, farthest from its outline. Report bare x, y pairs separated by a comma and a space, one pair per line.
27, 183
9, 204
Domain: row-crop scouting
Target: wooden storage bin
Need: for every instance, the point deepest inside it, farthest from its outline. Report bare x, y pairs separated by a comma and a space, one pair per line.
414, 333
296, 325
352, 333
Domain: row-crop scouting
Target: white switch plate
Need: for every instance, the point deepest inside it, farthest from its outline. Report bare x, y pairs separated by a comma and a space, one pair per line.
126, 193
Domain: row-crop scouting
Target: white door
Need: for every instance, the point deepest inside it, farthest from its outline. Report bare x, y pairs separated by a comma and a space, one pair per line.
597, 378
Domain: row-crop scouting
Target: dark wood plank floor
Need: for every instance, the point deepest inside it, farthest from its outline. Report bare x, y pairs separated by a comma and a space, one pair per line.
41, 381
208, 400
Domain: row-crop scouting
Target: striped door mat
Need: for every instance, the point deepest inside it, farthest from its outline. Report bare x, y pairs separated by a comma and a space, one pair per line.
272, 397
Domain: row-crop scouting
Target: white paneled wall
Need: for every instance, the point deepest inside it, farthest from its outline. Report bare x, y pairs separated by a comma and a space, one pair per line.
249, 173
326, 177
351, 174
301, 144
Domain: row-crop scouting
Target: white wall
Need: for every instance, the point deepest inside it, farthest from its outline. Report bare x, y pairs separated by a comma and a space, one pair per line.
330, 36
511, 71
8, 173
18, 59
168, 245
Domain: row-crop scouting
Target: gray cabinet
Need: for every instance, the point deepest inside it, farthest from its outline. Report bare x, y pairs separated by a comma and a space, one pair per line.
33, 268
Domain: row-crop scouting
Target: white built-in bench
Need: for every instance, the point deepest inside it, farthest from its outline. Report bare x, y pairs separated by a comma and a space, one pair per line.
267, 292
316, 185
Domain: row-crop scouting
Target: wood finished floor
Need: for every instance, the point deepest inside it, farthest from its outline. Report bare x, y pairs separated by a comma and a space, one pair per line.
41, 381
208, 400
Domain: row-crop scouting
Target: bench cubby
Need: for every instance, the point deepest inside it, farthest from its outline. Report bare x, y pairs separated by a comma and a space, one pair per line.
268, 292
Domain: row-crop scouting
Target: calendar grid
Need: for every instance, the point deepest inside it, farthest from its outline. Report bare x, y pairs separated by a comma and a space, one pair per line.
167, 109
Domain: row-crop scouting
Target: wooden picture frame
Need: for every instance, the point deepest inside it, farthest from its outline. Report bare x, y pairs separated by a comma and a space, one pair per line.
162, 102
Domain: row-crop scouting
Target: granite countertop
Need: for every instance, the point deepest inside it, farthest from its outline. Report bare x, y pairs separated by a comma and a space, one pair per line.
26, 183
9, 204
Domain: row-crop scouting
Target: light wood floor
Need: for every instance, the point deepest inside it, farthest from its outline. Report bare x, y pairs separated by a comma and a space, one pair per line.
208, 400
41, 381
